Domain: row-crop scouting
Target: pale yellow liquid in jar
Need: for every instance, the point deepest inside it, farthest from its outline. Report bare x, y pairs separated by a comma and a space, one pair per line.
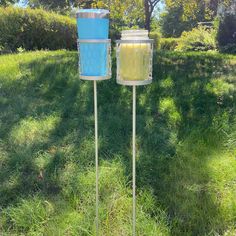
134, 61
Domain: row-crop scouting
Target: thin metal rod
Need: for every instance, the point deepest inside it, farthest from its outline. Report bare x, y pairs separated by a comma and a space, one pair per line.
134, 157
96, 152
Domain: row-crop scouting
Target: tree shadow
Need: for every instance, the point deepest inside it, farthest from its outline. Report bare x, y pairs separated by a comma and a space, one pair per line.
50, 86
179, 123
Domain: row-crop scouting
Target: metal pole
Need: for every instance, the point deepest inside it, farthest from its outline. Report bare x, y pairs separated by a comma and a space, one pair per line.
134, 166
96, 150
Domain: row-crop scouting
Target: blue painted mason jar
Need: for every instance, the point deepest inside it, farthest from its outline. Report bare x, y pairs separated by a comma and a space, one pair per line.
93, 24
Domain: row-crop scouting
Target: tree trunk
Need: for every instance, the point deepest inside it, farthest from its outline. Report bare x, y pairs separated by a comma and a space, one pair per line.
148, 8
147, 20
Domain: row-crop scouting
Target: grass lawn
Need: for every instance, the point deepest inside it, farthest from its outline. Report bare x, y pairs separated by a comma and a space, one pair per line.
186, 141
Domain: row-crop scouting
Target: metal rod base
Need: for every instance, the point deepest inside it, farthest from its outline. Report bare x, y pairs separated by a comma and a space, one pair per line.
96, 153
134, 159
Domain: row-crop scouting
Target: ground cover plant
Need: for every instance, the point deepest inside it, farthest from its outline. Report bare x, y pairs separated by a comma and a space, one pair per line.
186, 127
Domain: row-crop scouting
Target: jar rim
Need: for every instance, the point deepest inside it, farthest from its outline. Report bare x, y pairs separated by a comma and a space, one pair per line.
92, 13
134, 34
139, 31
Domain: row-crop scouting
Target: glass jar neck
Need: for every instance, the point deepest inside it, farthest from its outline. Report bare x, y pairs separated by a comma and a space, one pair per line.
134, 35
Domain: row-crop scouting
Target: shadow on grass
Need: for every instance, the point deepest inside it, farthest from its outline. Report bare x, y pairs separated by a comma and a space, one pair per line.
180, 122
184, 98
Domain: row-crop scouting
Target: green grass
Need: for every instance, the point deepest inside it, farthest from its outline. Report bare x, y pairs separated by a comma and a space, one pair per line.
186, 140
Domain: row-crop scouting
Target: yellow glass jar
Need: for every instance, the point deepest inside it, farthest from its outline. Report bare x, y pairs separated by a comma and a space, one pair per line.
134, 56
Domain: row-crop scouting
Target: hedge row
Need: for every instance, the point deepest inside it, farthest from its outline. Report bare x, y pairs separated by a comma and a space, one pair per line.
156, 38
164, 43
35, 29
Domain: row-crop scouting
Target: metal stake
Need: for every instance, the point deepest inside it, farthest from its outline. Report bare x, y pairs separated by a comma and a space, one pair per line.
134, 164
96, 151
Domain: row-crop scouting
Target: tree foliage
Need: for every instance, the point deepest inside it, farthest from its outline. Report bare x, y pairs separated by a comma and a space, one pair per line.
123, 14
59, 5
7, 2
193, 9
172, 23
137, 12
126, 12
226, 36
183, 15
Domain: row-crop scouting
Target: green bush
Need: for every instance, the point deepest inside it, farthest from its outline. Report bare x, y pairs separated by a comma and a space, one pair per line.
200, 38
226, 35
35, 29
169, 43
156, 37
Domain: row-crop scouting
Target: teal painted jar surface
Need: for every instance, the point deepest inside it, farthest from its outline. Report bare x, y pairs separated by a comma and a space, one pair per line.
93, 24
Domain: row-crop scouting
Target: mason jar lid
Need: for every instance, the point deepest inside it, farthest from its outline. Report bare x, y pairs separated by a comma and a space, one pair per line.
134, 34
92, 13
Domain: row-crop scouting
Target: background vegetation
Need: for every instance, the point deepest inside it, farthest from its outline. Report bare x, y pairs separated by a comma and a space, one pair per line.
35, 29
227, 33
197, 25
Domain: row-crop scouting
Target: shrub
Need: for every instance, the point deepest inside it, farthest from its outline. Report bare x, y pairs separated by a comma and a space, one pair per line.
156, 37
169, 43
35, 29
226, 35
200, 38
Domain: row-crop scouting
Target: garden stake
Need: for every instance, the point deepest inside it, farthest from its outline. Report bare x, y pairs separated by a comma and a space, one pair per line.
96, 149
134, 159
94, 64
134, 67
